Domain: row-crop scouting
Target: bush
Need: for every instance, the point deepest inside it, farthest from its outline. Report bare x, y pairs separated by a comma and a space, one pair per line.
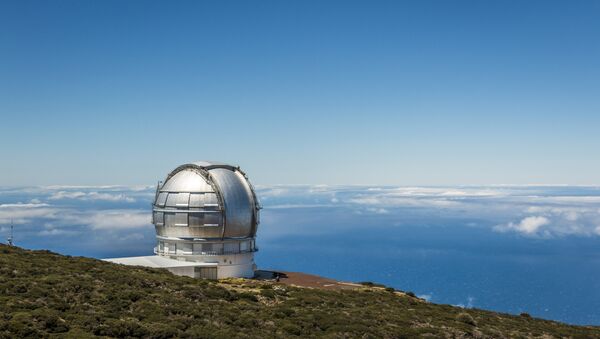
466, 318
411, 294
247, 296
268, 294
525, 315
390, 289
370, 284
292, 329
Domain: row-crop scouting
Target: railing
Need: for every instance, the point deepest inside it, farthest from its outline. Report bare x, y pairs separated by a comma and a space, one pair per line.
209, 253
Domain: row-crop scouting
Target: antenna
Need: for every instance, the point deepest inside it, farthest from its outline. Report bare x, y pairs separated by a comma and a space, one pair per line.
10, 239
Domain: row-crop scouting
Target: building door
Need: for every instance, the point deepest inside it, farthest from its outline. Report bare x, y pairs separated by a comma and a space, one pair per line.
205, 273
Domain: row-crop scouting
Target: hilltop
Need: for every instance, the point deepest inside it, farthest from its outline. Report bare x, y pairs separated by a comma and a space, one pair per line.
43, 294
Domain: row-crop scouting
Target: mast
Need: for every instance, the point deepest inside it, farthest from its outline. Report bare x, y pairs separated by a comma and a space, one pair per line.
10, 238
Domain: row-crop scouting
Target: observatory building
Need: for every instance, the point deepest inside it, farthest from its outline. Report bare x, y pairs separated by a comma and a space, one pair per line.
205, 215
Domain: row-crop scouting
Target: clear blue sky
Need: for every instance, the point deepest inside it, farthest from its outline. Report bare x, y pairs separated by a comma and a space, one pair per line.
370, 92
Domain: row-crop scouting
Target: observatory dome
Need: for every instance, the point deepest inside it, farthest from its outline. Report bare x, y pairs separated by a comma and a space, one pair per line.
206, 201
205, 215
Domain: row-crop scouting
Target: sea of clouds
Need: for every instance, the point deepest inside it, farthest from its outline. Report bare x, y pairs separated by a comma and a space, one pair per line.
109, 213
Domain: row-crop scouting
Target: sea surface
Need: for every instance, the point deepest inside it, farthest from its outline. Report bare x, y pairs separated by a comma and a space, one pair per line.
513, 249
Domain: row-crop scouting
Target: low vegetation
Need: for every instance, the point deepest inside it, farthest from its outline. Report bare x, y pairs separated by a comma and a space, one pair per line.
46, 295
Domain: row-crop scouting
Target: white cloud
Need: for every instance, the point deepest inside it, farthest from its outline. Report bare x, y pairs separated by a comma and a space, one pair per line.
133, 236
378, 210
22, 213
116, 219
90, 196
529, 225
56, 231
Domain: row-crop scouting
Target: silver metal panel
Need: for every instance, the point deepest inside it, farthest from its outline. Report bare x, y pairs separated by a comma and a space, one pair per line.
213, 232
210, 163
159, 218
206, 200
237, 200
187, 180
162, 199
178, 200
176, 219
197, 199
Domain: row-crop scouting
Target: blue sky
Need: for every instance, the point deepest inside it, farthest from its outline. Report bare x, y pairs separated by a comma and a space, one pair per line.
313, 92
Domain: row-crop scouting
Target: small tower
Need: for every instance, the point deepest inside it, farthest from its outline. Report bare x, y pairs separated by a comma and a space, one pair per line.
10, 238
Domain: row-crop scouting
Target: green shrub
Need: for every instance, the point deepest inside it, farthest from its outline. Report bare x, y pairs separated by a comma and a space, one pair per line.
268, 293
43, 295
291, 328
247, 296
466, 318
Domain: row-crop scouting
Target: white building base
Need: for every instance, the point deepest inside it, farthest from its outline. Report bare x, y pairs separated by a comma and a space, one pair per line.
197, 266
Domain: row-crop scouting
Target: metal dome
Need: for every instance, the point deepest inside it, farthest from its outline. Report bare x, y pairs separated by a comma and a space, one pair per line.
205, 200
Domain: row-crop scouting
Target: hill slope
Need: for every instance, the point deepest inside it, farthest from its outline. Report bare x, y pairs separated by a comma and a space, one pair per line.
43, 294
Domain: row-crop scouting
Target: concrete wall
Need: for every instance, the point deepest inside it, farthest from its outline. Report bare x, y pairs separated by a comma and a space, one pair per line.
228, 266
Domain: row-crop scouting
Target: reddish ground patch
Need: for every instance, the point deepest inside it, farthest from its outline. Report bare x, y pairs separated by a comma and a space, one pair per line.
305, 280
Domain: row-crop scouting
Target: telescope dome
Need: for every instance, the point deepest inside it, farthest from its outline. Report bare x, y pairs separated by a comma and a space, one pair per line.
206, 200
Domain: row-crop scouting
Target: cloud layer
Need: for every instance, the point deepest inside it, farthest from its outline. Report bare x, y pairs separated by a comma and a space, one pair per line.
529, 211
